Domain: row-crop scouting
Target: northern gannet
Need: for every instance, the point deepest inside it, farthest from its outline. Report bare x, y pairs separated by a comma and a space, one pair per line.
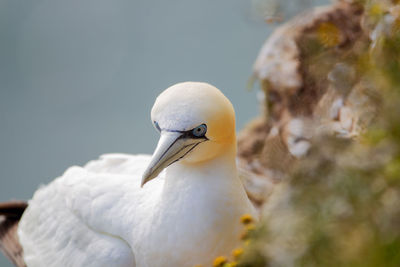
124, 210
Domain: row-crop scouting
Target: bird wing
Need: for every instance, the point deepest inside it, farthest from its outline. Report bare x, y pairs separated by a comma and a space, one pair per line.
86, 216
10, 214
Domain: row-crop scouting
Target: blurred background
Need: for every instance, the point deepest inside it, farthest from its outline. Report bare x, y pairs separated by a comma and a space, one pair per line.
78, 78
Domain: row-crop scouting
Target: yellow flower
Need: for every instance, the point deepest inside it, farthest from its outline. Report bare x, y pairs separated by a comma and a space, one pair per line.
237, 253
328, 34
220, 261
246, 219
249, 228
376, 10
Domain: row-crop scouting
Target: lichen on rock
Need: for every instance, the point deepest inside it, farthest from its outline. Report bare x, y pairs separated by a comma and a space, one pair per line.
307, 72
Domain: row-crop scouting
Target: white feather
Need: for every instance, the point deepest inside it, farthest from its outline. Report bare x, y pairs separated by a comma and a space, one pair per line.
98, 215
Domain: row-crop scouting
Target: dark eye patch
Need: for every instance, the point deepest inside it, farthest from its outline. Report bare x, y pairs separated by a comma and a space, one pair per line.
198, 132
157, 126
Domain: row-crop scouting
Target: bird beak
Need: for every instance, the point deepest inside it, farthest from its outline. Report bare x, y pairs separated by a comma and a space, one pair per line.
171, 147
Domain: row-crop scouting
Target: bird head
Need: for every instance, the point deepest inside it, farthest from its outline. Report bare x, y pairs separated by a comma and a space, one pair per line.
196, 123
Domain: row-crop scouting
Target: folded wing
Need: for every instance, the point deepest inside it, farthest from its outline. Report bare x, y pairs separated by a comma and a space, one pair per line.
87, 216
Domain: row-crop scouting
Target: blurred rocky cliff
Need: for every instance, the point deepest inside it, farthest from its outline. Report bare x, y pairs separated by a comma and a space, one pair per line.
325, 152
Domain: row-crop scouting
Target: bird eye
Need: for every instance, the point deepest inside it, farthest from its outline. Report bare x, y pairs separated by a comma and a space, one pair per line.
200, 130
157, 126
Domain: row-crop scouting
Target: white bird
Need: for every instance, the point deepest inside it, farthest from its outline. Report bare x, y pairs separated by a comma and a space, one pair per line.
112, 213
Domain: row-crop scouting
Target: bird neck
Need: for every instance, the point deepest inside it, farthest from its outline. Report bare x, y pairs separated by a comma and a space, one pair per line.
217, 172
200, 204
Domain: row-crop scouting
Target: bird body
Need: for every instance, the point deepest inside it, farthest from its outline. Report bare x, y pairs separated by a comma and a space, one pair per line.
107, 214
